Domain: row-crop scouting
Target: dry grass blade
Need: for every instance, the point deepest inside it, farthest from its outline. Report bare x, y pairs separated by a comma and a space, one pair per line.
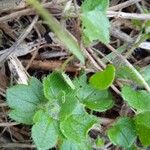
63, 34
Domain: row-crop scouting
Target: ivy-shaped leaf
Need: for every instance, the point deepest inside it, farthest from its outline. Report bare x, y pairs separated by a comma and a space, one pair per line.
22, 116
103, 79
44, 132
25, 99
123, 132
94, 99
142, 122
98, 101
76, 127
139, 100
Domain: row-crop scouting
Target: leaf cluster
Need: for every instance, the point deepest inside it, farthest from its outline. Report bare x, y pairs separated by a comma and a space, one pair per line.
56, 107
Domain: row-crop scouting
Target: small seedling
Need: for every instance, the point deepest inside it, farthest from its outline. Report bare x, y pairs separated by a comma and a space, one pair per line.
56, 109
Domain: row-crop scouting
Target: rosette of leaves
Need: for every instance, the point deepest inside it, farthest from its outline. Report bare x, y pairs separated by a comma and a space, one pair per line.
126, 130
56, 109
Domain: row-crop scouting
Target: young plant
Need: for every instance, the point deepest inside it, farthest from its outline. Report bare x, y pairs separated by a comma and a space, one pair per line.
56, 108
126, 130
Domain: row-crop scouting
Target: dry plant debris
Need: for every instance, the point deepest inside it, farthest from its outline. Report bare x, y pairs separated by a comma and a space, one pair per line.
31, 46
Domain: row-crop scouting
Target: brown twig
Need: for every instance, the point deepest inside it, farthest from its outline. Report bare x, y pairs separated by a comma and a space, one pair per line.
36, 51
128, 15
23, 12
19, 41
48, 65
124, 5
8, 124
16, 145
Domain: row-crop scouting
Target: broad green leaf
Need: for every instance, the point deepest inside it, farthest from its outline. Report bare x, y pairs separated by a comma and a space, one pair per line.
54, 84
69, 105
139, 100
38, 116
103, 79
71, 145
44, 133
22, 116
89, 5
97, 100
37, 88
95, 26
62, 33
123, 132
76, 127
25, 97
94, 99
142, 122
80, 82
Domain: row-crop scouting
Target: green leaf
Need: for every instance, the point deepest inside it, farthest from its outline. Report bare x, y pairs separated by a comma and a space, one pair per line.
95, 26
103, 79
80, 82
22, 116
25, 97
94, 99
37, 88
38, 115
44, 133
97, 100
76, 127
68, 80
139, 100
123, 132
142, 122
55, 84
71, 145
62, 33
89, 5
69, 106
